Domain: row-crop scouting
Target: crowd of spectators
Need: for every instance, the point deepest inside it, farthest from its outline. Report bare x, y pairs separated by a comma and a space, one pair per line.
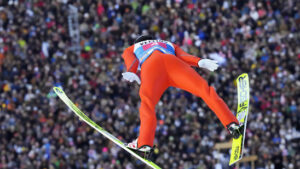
260, 37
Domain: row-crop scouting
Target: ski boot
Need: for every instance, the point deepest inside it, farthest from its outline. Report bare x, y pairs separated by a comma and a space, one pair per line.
235, 130
144, 151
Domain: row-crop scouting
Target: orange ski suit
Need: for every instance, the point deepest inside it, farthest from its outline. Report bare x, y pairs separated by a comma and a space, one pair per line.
161, 71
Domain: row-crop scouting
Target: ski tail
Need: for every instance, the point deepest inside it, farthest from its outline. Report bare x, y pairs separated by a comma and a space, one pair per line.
242, 114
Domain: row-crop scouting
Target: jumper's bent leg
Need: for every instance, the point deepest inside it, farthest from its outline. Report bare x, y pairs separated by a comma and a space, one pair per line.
186, 78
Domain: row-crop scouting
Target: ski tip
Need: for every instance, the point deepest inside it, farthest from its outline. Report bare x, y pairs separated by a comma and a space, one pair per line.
243, 75
58, 90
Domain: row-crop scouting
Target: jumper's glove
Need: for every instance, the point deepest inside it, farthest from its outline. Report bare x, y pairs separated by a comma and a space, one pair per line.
209, 64
129, 76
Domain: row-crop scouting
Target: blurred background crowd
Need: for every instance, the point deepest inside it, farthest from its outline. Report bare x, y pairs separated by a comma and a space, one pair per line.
37, 52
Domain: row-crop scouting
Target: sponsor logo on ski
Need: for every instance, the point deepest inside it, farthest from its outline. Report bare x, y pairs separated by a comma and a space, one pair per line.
243, 106
236, 152
243, 89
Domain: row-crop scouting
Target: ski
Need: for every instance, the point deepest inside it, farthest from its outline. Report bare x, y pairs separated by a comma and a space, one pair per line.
242, 113
61, 94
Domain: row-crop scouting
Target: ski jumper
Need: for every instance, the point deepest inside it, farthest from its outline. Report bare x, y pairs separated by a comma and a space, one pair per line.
164, 64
